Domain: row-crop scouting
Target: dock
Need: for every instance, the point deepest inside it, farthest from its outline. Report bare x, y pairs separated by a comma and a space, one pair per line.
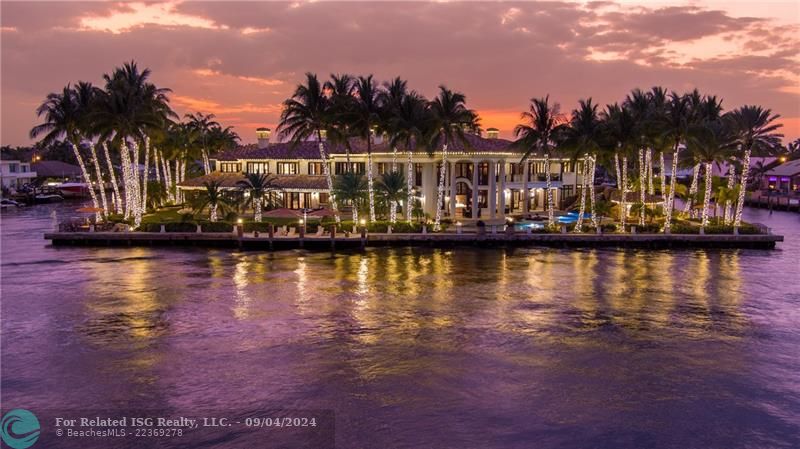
340, 241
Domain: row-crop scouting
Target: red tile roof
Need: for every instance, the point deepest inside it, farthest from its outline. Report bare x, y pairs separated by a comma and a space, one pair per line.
310, 149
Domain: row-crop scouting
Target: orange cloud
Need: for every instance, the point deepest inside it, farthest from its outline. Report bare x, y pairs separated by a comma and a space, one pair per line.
136, 15
211, 106
252, 79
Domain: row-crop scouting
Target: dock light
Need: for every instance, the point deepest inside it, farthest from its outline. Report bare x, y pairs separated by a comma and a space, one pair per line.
240, 221
363, 222
300, 221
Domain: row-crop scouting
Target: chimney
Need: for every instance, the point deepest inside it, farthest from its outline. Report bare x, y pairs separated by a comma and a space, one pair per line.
262, 134
492, 133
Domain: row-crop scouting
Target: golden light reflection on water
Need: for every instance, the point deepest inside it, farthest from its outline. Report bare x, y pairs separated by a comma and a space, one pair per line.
241, 280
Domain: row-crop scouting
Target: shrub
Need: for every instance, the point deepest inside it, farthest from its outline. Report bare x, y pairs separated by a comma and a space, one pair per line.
219, 226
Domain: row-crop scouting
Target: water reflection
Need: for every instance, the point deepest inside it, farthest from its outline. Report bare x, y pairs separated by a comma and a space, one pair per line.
419, 347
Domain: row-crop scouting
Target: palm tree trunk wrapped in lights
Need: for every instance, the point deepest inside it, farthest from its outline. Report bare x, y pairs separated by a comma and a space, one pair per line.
327, 171
99, 175
642, 185
663, 175
549, 185
87, 178
671, 197
649, 162
584, 186
113, 176
707, 194
623, 203
370, 188
592, 197
410, 186
692, 188
737, 221
440, 191
731, 182
146, 173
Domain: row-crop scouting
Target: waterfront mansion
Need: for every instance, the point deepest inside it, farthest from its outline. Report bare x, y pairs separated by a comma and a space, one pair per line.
485, 179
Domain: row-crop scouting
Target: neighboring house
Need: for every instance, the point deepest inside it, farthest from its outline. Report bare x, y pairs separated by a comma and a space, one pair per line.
57, 170
484, 179
784, 178
15, 174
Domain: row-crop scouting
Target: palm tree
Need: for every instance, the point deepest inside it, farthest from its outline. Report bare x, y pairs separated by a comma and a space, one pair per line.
391, 99
754, 129
257, 184
538, 134
408, 125
583, 139
306, 115
619, 127
392, 185
85, 94
350, 188
130, 107
450, 120
64, 118
340, 114
213, 198
202, 125
640, 105
676, 124
710, 143
367, 120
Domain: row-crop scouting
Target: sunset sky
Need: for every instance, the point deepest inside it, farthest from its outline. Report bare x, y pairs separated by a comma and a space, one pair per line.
241, 60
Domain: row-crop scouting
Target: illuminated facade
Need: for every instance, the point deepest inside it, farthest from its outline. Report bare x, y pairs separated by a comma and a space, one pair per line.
484, 180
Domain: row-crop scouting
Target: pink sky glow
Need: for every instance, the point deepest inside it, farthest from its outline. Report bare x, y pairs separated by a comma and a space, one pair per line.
241, 60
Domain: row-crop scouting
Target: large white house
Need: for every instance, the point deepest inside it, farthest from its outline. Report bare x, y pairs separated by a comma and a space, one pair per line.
15, 174
485, 179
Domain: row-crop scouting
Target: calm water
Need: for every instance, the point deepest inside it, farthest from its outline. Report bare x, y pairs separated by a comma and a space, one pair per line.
461, 348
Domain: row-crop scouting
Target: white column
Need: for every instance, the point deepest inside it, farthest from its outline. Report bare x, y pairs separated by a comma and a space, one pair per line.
502, 193
452, 189
526, 193
474, 189
492, 189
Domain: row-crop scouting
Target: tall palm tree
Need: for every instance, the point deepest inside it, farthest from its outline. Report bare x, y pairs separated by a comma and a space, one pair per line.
350, 187
583, 140
710, 143
754, 128
306, 115
450, 121
538, 134
130, 108
257, 184
392, 185
367, 121
202, 125
639, 104
621, 134
63, 120
392, 96
676, 123
341, 112
408, 125
85, 95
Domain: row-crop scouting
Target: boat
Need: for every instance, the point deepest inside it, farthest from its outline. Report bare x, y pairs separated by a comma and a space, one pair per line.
73, 189
6, 204
48, 198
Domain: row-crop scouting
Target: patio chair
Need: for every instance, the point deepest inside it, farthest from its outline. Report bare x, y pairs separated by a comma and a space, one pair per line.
292, 231
320, 232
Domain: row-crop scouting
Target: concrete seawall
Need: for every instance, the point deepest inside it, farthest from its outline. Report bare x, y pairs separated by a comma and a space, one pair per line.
231, 240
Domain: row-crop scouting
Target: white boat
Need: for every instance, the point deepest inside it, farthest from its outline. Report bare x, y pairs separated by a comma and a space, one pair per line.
73, 189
